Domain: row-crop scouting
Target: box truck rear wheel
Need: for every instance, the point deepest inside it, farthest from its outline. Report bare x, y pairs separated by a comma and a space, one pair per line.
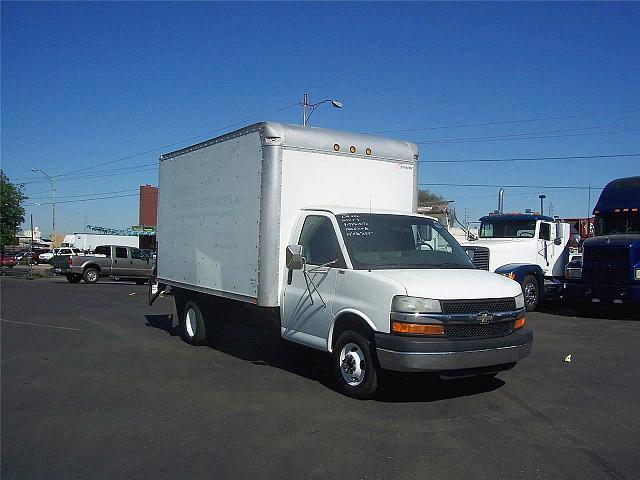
354, 364
194, 328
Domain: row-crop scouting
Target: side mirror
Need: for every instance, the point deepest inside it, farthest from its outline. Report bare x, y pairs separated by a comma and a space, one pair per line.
557, 241
294, 257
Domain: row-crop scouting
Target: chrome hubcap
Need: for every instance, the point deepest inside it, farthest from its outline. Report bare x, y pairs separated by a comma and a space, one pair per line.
191, 322
530, 293
92, 276
352, 364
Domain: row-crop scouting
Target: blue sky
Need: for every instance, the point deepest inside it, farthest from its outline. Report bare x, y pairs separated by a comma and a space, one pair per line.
88, 83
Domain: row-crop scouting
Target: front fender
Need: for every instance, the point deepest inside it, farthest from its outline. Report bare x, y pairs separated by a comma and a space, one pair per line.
342, 312
517, 271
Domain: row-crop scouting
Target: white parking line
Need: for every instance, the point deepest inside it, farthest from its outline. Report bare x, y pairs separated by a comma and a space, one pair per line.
39, 325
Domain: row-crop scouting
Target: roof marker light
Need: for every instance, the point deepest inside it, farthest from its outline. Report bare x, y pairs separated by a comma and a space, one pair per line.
352, 149
368, 151
336, 147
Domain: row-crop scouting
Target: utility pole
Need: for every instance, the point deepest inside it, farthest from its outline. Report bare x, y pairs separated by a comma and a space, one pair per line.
30, 277
52, 181
542, 197
589, 204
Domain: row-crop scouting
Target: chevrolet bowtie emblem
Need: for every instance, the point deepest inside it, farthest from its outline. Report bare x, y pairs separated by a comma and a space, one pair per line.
484, 317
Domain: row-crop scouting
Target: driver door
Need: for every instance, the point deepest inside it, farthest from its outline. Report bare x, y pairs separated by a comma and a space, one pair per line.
545, 247
309, 293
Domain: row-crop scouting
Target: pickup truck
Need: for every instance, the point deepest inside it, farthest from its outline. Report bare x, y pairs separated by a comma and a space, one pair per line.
107, 261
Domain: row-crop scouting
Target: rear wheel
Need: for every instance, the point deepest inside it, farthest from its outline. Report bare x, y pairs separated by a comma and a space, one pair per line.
74, 278
194, 328
91, 275
531, 292
354, 365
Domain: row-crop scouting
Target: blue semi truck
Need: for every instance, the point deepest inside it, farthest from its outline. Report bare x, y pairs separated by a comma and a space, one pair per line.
609, 271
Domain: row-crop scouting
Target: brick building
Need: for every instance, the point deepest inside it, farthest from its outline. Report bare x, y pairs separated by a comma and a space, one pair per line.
148, 213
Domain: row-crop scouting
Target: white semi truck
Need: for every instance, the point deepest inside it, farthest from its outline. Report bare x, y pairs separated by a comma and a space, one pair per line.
320, 227
530, 248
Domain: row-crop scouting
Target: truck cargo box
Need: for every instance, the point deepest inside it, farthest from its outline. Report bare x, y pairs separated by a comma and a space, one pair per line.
227, 205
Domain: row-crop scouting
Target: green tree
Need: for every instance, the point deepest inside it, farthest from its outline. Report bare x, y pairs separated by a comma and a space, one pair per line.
425, 197
12, 212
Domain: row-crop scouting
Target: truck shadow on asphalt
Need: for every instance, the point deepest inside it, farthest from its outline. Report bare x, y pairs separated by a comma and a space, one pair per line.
610, 312
247, 339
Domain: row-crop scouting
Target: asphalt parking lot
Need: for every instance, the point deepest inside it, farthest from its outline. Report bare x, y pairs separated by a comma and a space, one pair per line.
96, 384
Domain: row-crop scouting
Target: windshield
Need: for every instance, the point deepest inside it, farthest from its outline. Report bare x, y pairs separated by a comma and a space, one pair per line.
377, 241
617, 225
508, 229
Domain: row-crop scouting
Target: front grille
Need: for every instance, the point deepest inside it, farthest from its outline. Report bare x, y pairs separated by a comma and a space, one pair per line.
477, 306
607, 265
477, 330
479, 256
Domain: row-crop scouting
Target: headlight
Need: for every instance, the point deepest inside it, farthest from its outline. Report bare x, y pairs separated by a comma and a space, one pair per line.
637, 273
404, 304
577, 272
520, 301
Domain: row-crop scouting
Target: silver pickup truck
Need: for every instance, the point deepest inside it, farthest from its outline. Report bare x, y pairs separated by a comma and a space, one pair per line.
107, 261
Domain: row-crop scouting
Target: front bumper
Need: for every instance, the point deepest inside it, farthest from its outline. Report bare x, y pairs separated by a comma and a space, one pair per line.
422, 354
605, 294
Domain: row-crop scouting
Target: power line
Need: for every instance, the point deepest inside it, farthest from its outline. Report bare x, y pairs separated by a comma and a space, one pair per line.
518, 136
87, 194
531, 159
128, 170
180, 141
559, 187
507, 122
84, 200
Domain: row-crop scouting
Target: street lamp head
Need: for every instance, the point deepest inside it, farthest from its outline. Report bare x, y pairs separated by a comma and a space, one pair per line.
336, 103
34, 170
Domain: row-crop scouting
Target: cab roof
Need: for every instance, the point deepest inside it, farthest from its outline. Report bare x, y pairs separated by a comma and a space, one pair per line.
506, 217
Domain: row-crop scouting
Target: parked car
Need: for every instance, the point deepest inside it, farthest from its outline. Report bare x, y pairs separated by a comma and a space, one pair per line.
114, 261
8, 261
63, 251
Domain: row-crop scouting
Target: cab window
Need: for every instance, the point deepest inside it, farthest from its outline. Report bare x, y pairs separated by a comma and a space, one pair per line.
137, 253
545, 231
318, 238
121, 252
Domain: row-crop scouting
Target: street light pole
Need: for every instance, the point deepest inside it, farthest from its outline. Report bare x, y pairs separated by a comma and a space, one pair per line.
52, 181
312, 107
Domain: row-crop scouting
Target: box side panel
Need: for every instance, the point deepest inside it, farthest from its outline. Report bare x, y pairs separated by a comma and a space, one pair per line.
314, 179
208, 217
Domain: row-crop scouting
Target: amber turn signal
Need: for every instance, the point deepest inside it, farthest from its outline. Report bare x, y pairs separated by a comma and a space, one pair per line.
417, 329
519, 323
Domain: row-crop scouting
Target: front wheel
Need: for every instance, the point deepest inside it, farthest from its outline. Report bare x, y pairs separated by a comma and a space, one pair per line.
355, 367
531, 293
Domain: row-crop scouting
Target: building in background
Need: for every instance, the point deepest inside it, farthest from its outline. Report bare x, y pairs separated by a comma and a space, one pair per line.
148, 214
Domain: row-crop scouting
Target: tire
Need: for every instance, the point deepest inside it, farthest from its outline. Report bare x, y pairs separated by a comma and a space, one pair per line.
140, 282
355, 365
74, 278
531, 293
193, 325
91, 275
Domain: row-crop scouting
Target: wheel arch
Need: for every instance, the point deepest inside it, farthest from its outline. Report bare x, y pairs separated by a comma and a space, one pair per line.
349, 319
91, 265
521, 270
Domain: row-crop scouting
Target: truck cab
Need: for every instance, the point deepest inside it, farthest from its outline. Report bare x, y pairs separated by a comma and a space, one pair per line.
398, 288
529, 248
608, 273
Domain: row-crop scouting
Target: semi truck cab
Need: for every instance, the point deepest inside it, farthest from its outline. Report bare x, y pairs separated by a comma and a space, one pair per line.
529, 248
608, 273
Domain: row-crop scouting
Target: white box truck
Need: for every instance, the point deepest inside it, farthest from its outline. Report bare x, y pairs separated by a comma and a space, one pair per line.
321, 227
89, 241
